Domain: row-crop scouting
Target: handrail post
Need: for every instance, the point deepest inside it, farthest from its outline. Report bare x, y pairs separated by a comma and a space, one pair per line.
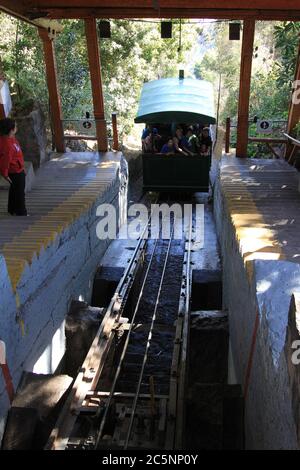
227, 135
115, 131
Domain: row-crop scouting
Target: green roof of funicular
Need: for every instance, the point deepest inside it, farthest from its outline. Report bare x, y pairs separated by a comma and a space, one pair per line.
173, 100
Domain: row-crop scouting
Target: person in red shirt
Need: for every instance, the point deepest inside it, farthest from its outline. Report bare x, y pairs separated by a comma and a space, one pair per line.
12, 167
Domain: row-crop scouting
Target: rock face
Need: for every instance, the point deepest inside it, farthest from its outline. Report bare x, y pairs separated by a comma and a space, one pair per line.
32, 135
82, 323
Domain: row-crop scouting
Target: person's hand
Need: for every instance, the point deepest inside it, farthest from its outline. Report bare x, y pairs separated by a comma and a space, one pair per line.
8, 179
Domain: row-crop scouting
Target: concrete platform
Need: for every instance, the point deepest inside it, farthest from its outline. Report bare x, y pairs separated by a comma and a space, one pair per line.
263, 200
257, 213
65, 188
50, 258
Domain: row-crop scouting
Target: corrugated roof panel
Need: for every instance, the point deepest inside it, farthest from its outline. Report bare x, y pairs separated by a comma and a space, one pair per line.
172, 99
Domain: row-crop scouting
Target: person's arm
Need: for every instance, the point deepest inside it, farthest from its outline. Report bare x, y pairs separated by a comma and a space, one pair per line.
177, 148
187, 151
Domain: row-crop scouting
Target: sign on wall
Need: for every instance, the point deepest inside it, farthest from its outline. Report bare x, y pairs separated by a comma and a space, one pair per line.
264, 126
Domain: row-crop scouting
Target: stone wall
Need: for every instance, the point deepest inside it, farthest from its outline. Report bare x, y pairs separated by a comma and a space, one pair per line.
261, 288
134, 159
32, 136
32, 323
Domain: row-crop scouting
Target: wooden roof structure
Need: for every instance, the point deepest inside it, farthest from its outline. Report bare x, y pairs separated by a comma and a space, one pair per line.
249, 11
221, 9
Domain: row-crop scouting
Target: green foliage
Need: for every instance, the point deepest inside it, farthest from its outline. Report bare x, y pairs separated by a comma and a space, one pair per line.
296, 131
22, 61
275, 52
135, 54
73, 70
287, 43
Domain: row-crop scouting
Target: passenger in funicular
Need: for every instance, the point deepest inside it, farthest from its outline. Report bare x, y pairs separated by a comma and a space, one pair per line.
204, 151
151, 142
168, 148
181, 143
205, 140
193, 140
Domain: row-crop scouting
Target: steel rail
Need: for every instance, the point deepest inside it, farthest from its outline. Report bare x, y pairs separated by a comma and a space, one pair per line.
133, 411
178, 367
112, 391
180, 414
90, 371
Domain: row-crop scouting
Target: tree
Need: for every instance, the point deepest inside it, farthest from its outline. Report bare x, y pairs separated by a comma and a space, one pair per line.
22, 61
275, 51
135, 54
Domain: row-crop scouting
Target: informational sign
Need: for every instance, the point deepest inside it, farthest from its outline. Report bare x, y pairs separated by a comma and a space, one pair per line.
264, 126
5, 98
87, 124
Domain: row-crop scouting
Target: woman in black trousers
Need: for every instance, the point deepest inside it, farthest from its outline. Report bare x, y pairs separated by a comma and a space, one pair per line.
12, 167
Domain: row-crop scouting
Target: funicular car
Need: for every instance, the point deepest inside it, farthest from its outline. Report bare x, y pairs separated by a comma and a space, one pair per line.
165, 104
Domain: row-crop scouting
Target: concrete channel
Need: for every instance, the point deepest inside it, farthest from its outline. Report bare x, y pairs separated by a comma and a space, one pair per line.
175, 378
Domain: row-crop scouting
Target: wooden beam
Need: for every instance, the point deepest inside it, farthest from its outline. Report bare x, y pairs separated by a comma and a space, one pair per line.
258, 9
16, 10
54, 97
294, 109
245, 83
179, 4
196, 13
96, 82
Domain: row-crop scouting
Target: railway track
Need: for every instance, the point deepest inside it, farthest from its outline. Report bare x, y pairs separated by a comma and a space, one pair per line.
129, 392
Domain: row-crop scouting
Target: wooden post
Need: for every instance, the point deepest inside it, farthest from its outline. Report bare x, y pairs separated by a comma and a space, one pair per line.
96, 82
245, 83
227, 135
54, 97
115, 131
294, 110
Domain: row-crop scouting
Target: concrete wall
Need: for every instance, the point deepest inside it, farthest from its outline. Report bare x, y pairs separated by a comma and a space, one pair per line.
32, 321
262, 288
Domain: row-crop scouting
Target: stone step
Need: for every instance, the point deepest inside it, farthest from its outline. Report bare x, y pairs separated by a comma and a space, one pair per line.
209, 343
233, 418
34, 410
215, 417
105, 283
20, 429
206, 290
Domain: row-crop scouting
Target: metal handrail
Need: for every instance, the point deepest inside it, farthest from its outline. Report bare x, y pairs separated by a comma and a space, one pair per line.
295, 142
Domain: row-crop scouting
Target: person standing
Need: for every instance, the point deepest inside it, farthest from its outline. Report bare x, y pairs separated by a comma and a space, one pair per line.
12, 167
